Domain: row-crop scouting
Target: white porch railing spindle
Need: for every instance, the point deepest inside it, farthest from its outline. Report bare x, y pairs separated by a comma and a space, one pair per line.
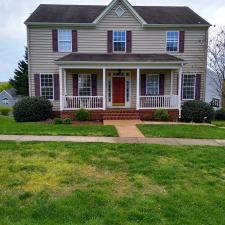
87, 102
157, 102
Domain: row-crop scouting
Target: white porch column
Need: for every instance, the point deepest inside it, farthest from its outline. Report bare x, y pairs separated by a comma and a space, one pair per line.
104, 92
171, 83
61, 87
137, 91
65, 82
179, 90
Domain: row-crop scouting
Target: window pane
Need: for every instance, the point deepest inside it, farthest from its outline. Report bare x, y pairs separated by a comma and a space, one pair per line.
119, 41
84, 84
172, 40
152, 84
65, 40
47, 86
188, 85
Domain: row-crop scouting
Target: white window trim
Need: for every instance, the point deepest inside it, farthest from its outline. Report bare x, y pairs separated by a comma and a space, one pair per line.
53, 85
149, 75
5, 101
178, 46
65, 40
188, 86
119, 7
80, 74
122, 30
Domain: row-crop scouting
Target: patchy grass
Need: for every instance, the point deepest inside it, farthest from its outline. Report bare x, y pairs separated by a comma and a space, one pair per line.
182, 131
118, 184
219, 123
9, 126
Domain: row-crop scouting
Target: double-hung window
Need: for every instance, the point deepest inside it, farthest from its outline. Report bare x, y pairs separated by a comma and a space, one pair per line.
119, 41
84, 84
188, 90
152, 84
65, 40
172, 41
46, 85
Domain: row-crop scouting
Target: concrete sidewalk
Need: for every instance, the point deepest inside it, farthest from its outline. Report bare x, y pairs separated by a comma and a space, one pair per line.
162, 141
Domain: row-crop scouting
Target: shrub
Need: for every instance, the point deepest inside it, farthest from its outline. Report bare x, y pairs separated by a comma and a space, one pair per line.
220, 114
82, 115
57, 120
161, 114
197, 111
67, 121
5, 110
32, 109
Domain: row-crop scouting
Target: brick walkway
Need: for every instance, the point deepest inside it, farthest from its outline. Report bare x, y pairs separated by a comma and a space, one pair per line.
163, 141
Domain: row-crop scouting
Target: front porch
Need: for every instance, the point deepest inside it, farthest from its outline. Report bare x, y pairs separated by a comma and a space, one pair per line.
101, 89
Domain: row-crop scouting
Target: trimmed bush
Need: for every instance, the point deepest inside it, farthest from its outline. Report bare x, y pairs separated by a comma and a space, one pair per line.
161, 115
32, 109
220, 114
82, 115
197, 111
67, 121
57, 120
5, 110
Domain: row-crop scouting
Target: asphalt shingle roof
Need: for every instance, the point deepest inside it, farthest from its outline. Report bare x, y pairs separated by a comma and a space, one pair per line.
88, 13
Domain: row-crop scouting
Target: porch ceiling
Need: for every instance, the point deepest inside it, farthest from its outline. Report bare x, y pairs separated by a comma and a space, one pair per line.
118, 58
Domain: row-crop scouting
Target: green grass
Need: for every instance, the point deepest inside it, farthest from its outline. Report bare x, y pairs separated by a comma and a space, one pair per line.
219, 123
9, 126
111, 184
182, 131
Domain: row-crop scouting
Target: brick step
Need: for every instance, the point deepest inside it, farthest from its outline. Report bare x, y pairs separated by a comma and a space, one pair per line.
120, 111
120, 117
120, 114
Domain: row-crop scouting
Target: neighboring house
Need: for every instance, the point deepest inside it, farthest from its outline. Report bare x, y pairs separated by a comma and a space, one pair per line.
212, 92
119, 61
8, 97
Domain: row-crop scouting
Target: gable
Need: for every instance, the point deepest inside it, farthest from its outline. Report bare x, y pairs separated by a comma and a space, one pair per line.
111, 19
119, 8
5, 94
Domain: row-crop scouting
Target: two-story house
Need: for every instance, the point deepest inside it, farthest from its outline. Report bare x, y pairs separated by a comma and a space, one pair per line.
118, 61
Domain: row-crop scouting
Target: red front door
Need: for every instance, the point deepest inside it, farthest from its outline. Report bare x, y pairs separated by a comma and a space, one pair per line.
118, 91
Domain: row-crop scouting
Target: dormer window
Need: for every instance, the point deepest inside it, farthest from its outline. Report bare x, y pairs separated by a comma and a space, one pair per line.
119, 41
65, 40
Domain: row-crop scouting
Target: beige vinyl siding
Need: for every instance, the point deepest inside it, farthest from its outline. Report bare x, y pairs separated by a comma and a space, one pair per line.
94, 40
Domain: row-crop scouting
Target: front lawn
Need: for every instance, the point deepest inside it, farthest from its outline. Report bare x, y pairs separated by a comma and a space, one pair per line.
182, 131
111, 184
9, 126
219, 123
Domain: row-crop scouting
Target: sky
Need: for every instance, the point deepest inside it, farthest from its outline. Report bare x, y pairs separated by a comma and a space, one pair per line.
13, 13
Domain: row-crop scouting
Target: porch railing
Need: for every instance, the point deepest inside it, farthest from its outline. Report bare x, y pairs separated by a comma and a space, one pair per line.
159, 101
86, 102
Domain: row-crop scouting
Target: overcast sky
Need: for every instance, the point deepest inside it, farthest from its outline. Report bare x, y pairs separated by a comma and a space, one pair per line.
13, 13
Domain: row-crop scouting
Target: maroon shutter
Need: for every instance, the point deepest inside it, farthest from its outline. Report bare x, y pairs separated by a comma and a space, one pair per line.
161, 84
74, 40
37, 84
181, 41
94, 84
75, 84
56, 87
55, 40
198, 87
110, 41
129, 41
143, 84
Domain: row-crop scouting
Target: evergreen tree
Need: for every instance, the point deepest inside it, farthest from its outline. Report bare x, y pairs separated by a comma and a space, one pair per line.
20, 79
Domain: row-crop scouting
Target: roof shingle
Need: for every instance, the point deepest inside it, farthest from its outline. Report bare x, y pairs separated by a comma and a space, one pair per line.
92, 57
46, 13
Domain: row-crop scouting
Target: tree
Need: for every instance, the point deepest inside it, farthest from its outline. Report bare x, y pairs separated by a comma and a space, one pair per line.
20, 80
4, 85
216, 60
